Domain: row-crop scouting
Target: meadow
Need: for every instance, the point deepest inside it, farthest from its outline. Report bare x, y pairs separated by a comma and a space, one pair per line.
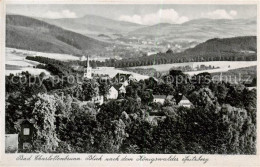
220, 66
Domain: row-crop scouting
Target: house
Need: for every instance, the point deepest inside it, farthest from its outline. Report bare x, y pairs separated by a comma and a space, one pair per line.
123, 78
98, 100
185, 102
112, 93
121, 88
161, 98
153, 120
170, 97
25, 137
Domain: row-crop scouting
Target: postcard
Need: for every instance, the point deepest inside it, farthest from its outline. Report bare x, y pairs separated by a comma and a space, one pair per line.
129, 83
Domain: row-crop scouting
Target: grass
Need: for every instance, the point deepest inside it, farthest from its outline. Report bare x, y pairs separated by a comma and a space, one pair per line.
245, 74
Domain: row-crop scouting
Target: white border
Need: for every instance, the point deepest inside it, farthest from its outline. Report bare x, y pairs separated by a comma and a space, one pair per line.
215, 160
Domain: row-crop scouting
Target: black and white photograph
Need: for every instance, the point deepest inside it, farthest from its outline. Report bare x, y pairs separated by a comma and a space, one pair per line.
130, 79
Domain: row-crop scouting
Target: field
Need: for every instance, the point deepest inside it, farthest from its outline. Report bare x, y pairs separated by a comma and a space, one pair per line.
16, 63
223, 66
111, 72
246, 74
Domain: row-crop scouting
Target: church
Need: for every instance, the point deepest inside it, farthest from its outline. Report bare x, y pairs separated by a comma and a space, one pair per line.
87, 69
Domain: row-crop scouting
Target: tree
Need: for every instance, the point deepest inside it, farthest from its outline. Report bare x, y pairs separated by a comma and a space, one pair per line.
241, 132
167, 138
80, 130
140, 137
235, 97
220, 90
203, 97
104, 88
90, 89
46, 139
249, 99
202, 80
146, 97
42, 75
180, 83
169, 51
165, 89
130, 91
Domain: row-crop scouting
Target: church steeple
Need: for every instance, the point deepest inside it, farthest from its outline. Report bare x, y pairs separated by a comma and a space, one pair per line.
87, 69
87, 62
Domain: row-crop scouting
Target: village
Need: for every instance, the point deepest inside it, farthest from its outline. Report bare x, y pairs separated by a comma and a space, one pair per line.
151, 99
118, 89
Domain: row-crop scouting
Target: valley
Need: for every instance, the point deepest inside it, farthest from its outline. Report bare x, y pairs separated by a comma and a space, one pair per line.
103, 37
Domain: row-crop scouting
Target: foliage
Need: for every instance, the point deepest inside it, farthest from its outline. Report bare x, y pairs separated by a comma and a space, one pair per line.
222, 119
46, 139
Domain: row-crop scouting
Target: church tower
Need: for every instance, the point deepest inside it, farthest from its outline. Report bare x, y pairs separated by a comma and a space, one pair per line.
87, 70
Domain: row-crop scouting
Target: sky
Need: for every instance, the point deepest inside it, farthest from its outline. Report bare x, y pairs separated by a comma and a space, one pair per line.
141, 14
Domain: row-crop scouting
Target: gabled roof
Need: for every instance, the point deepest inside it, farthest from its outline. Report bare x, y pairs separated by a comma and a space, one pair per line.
117, 86
159, 96
113, 87
184, 98
21, 121
121, 77
184, 101
170, 97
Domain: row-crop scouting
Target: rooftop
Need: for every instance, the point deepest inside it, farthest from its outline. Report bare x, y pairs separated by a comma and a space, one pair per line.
184, 98
159, 96
122, 77
117, 86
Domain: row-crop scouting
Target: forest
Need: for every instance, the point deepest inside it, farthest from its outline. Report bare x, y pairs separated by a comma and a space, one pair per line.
222, 119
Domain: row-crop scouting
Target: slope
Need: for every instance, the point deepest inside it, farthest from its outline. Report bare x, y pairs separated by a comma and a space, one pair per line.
31, 34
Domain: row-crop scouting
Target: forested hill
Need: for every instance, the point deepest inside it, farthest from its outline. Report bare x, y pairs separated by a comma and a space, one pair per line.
245, 44
226, 49
31, 34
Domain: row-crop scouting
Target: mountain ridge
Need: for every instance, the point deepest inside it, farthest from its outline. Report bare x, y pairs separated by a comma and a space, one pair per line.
92, 24
24, 32
199, 30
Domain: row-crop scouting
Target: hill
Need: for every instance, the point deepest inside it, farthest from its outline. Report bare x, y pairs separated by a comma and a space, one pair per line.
226, 49
216, 46
91, 24
31, 34
199, 30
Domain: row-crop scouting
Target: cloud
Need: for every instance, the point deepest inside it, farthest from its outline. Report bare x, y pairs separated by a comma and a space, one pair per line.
161, 16
220, 14
61, 14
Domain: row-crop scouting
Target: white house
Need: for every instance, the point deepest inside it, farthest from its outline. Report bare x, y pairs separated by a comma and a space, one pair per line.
122, 89
112, 93
185, 102
98, 100
159, 98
